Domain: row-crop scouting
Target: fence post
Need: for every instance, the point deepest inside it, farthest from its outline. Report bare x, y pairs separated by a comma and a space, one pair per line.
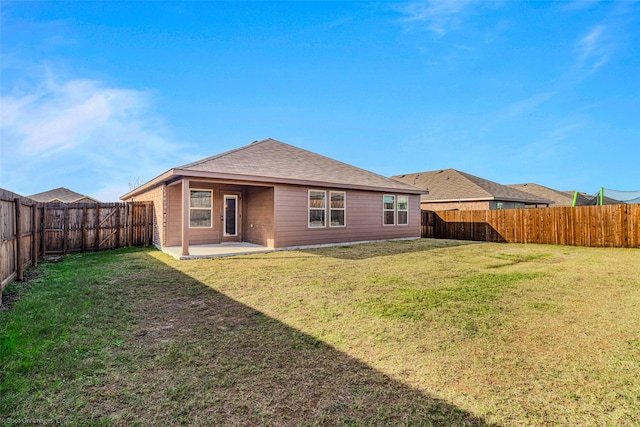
127, 221
43, 230
97, 227
117, 232
34, 235
19, 263
65, 229
85, 224
149, 225
132, 223
145, 238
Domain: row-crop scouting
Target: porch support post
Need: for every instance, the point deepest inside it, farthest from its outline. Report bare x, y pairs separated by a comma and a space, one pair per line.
185, 217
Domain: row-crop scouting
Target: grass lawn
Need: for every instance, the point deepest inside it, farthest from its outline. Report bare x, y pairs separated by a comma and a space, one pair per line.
426, 332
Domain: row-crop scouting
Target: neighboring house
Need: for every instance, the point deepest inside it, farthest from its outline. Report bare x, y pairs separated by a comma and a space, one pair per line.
450, 189
277, 195
559, 198
563, 198
62, 195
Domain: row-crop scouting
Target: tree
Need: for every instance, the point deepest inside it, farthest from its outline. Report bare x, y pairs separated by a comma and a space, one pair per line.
137, 182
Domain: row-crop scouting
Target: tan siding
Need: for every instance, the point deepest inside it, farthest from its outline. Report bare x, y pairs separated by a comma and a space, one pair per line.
279, 216
202, 236
363, 219
258, 205
197, 236
157, 196
174, 215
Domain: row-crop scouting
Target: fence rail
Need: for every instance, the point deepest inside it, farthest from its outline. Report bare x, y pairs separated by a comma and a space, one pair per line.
19, 238
30, 231
595, 226
82, 227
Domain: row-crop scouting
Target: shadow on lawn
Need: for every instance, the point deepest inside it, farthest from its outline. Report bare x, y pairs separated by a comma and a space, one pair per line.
200, 358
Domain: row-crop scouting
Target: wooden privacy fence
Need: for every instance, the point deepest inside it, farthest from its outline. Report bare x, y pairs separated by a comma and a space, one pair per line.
82, 227
595, 226
31, 230
20, 220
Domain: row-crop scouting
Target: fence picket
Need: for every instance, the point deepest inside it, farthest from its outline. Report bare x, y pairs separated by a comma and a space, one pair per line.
31, 230
595, 226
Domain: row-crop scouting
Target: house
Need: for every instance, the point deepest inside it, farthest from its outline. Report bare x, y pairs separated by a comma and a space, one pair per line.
559, 198
450, 189
563, 198
62, 195
276, 195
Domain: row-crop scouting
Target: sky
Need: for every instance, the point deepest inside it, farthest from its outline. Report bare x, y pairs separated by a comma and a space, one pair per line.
102, 96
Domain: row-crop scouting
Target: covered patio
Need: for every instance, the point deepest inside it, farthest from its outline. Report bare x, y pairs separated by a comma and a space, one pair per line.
216, 250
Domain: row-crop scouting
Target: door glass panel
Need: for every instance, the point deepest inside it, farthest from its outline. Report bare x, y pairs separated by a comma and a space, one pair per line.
230, 213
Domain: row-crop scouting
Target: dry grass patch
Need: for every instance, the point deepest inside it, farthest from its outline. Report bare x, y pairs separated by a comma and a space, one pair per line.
517, 334
428, 332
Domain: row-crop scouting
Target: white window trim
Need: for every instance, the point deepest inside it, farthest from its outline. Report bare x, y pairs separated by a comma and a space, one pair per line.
407, 210
344, 209
224, 215
210, 208
384, 211
316, 209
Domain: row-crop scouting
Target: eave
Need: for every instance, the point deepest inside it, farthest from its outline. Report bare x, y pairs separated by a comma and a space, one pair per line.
249, 179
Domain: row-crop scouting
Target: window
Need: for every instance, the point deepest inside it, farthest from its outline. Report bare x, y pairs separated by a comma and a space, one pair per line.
395, 210
403, 210
337, 208
200, 208
317, 208
389, 210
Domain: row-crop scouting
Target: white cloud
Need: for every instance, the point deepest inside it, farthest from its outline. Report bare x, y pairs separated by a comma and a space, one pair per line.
438, 16
593, 51
553, 144
517, 109
84, 135
526, 106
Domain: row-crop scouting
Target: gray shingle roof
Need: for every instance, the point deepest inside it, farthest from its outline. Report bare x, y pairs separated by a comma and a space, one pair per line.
60, 195
453, 185
562, 198
274, 160
558, 198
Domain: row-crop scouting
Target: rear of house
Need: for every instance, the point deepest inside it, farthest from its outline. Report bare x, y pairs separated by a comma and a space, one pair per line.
277, 195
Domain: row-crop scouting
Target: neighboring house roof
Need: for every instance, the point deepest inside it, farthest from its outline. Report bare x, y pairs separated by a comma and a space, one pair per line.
271, 161
562, 198
450, 185
62, 195
559, 198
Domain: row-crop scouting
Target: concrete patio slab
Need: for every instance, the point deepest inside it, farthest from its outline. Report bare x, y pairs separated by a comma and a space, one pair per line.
217, 250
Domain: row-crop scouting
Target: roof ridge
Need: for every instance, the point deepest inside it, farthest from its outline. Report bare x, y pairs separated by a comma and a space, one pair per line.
334, 160
469, 177
254, 143
539, 185
226, 153
522, 193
